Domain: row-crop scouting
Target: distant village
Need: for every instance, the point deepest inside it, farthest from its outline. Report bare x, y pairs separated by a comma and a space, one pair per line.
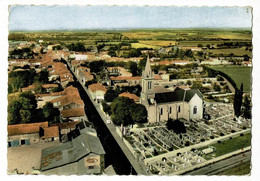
168, 110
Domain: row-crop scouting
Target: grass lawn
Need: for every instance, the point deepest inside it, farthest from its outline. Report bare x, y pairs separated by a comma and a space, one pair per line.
238, 74
229, 145
242, 169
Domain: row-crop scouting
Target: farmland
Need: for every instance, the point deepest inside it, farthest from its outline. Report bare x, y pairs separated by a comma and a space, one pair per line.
238, 74
235, 51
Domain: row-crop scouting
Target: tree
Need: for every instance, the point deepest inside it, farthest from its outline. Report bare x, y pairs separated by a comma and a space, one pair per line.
106, 108
43, 76
110, 95
134, 53
133, 68
196, 85
21, 108
121, 114
48, 111
247, 108
14, 108
25, 115
138, 113
188, 53
176, 125
238, 97
216, 87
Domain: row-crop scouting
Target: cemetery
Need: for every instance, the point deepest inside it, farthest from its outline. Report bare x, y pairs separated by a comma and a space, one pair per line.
164, 152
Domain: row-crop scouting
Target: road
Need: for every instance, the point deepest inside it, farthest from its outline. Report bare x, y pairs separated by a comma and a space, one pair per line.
220, 166
117, 153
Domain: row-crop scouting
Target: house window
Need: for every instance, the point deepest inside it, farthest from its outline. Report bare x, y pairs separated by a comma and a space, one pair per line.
161, 111
170, 110
91, 167
195, 110
179, 109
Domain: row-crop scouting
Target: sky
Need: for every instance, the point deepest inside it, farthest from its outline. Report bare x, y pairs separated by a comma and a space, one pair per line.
121, 17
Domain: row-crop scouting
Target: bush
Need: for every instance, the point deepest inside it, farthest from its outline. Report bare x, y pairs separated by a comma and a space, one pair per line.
242, 134
219, 141
222, 134
187, 143
233, 131
202, 139
211, 137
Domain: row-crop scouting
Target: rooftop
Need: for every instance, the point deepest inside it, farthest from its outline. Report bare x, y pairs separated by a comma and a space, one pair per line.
97, 87
30, 128
75, 112
130, 96
72, 151
177, 95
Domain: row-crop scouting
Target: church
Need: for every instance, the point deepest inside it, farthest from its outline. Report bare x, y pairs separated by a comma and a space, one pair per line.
162, 105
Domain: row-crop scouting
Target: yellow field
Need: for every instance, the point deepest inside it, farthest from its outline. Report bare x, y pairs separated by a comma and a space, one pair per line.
141, 45
158, 43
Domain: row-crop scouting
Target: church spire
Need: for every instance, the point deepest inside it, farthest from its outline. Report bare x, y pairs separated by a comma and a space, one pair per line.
148, 70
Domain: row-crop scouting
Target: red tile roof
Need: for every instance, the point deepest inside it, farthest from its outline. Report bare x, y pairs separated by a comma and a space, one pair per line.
96, 87
51, 132
125, 78
19, 129
130, 96
68, 125
76, 112
46, 86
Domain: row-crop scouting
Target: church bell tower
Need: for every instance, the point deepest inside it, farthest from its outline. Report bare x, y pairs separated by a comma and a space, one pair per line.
147, 83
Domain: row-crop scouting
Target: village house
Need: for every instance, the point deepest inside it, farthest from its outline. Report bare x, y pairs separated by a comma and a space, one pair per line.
97, 91
66, 127
118, 71
126, 81
192, 48
84, 75
42, 99
83, 155
130, 96
172, 62
180, 103
215, 61
26, 134
70, 99
75, 114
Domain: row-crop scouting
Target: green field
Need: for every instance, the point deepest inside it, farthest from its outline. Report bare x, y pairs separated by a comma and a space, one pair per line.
235, 51
230, 145
241, 169
238, 74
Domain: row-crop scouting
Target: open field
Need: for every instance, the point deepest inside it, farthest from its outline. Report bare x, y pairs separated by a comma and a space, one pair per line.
189, 34
235, 51
238, 74
158, 43
141, 45
204, 43
241, 169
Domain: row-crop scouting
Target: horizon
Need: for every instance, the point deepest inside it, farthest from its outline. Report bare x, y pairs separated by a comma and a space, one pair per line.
80, 18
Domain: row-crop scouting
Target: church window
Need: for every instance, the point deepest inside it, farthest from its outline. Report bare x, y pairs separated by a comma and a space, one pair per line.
195, 110
179, 109
161, 111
